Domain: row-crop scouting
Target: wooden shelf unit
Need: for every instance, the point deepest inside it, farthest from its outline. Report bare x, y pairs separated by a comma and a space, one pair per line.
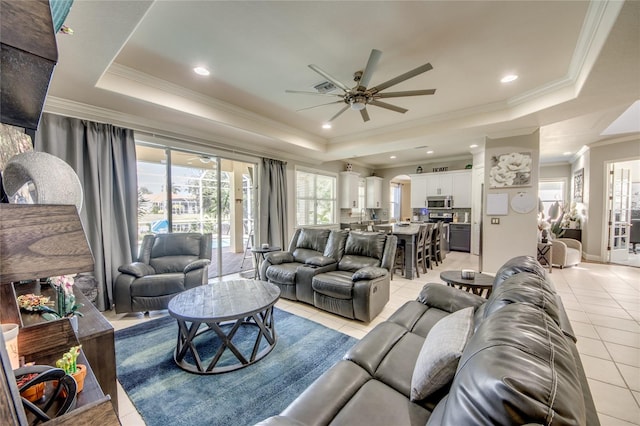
38, 241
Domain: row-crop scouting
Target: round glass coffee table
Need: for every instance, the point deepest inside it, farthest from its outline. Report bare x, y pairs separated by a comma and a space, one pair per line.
210, 316
478, 285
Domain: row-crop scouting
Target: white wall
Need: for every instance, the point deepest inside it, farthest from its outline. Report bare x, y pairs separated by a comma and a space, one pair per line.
517, 234
594, 162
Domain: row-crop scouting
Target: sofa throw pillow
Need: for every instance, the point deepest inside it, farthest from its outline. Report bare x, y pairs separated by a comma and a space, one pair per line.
440, 353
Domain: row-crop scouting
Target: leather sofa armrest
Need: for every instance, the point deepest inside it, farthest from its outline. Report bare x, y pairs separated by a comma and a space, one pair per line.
368, 273
320, 261
448, 298
198, 264
279, 421
278, 257
137, 269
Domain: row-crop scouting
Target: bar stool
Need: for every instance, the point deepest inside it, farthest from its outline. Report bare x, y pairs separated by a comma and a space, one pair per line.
420, 251
435, 243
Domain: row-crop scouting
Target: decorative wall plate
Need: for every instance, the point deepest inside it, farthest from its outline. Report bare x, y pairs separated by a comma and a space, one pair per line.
524, 202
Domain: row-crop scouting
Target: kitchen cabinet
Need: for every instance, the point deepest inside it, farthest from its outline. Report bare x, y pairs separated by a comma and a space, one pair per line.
374, 192
461, 189
460, 237
418, 191
455, 183
439, 184
349, 182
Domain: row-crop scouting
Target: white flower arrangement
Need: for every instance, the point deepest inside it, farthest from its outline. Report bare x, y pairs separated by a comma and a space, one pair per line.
572, 218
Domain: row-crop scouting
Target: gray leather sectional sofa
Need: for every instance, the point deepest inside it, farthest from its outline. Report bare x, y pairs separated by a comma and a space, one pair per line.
342, 272
519, 366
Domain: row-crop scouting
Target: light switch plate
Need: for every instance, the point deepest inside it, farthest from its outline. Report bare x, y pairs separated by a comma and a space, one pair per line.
495, 221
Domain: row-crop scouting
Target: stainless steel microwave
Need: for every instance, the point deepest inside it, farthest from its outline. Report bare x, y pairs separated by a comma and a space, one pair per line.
440, 202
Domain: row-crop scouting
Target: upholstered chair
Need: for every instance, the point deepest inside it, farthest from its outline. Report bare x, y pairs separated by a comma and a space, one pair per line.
167, 265
566, 252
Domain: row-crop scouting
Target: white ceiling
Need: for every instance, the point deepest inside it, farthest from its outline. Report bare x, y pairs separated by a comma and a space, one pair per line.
130, 63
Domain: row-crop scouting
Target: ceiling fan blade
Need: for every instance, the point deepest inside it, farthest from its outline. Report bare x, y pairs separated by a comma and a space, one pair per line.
329, 77
388, 106
338, 114
407, 93
316, 106
364, 114
399, 79
301, 92
372, 63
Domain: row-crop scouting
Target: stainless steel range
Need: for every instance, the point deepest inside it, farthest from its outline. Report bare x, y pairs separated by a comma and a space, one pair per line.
446, 217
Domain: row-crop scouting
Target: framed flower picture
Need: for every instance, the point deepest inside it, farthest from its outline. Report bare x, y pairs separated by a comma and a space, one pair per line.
510, 170
578, 185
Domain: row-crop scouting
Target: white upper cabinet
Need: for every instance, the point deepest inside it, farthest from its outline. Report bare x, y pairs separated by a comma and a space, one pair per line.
349, 182
439, 184
456, 184
374, 192
418, 191
461, 189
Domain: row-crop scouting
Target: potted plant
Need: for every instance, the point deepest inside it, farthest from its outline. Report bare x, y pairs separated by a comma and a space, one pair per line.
69, 364
66, 306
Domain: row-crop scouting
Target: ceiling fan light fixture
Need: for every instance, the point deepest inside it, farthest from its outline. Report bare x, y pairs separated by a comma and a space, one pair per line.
358, 106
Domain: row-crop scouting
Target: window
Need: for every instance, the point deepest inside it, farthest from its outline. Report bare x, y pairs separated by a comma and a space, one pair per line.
551, 195
396, 197
315, 198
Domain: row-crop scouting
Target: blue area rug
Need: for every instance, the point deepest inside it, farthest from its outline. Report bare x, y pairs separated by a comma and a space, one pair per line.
164, 394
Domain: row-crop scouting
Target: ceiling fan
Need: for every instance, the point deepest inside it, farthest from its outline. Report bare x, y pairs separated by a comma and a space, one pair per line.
358, 97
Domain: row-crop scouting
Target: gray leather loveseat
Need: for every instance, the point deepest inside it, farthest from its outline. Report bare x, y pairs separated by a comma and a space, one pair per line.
346, 273
518, 363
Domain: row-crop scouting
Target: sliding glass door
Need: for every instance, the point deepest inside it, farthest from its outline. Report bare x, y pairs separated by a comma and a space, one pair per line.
191, 192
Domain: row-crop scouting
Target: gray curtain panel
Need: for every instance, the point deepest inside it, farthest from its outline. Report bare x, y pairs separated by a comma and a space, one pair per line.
104, 157
273, 203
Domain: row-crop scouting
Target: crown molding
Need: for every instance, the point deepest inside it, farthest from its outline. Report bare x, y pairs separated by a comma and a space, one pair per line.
121, 72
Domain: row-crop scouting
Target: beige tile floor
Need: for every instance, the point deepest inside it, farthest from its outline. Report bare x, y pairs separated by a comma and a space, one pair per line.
602, 301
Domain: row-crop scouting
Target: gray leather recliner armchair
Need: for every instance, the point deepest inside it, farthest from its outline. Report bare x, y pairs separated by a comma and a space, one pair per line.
360, 285
167, 265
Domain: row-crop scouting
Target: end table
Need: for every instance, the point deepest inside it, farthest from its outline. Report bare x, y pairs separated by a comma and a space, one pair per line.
258, 253
544, 254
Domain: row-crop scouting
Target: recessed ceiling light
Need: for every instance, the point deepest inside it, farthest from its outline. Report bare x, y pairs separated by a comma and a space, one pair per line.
429, 152
508, 78
473, 146
201, 71
392, 157
326, 125
566, 153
